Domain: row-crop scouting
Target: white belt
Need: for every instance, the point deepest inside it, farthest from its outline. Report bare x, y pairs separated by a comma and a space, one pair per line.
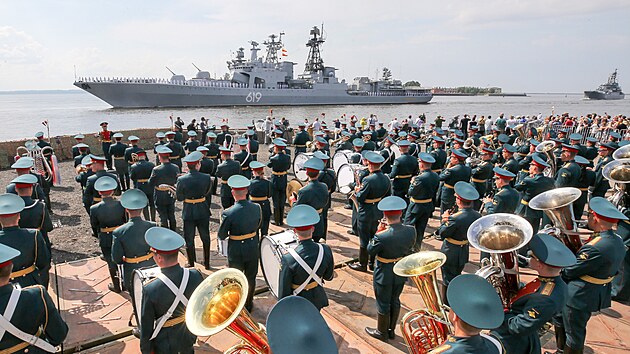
179, 297
311, 271
7, 326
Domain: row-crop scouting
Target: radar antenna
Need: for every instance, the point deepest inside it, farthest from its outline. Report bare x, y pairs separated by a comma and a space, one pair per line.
254, 50
314, 62
613, 78
272, 48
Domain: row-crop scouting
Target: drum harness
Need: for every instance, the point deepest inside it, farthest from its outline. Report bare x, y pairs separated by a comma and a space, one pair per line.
179, 297
312, 272
7, 326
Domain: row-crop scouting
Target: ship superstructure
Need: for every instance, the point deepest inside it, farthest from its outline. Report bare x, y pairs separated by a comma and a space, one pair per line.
607, 91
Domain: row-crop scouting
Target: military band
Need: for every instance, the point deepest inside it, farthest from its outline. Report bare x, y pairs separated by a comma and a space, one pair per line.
397, 188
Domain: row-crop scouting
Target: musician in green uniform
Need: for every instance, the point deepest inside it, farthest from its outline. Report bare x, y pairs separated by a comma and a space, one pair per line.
132, 150
569, 174
193, 189
389, 246
575, 139
82, 177
162, 316
243, 157
372, 189
475, 305
453, 231
30, 322
304, 269
117, 153
240, 224
177, 150
405, 167
421, 193
455, 172
315, 194
589, 279
532, 186
345, 143
140, 172
160, 141
129, 248
162, 180
260, 190
83, 151
329, 178
280, 163
90, 197
23, 166
601, 184
225, 170
253, 144
300, 139
539, 300
481, 173
505, 200
34, 216
105, 217
590, 153
76, 150
587, 179
192, 143
34, 257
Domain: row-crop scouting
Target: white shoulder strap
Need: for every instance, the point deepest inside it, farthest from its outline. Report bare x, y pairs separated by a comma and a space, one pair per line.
7, 326
494, 341
312, 273
179, 297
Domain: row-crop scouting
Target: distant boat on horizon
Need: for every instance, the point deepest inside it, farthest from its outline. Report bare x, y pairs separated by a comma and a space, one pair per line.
607, 91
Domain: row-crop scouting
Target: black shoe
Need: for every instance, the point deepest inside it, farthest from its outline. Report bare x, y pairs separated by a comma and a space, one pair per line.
358, 267
371, 266
136, 332
380, 332
351, 232
113, 288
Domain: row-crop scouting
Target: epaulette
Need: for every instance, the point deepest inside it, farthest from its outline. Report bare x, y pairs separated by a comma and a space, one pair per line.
440, 349
594, 241
548, 289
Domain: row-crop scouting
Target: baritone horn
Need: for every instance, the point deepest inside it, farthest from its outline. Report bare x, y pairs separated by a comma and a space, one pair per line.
618, 172
428, 328
558, 205
217, 304
546, 147
500, 234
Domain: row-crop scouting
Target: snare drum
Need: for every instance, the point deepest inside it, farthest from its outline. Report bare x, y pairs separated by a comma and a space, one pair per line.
140, 278
346, 177
298, 165
272, 248
340, 158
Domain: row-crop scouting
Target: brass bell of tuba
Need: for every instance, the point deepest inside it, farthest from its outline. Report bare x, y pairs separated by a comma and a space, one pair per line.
558, 205
546, 147
217, 304
622, 153
618, 172
500, 234
424, 329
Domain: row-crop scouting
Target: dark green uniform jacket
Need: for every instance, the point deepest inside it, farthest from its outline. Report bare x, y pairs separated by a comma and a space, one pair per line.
315, 194
467, 345
568, 175
128, 242
504, 201
34, 252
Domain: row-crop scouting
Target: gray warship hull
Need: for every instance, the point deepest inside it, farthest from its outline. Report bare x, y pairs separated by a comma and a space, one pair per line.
599, 95
150, 95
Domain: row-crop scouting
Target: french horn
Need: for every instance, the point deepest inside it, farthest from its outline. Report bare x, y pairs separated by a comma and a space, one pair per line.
500, 235
218, 303
428, 328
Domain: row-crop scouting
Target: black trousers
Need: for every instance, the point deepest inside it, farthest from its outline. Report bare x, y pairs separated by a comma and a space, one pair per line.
202, 226
167, 216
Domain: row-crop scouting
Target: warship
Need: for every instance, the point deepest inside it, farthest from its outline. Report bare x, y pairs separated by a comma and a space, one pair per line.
257, 81
608, 91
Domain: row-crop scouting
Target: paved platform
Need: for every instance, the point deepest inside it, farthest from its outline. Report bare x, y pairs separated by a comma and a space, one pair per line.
99, 319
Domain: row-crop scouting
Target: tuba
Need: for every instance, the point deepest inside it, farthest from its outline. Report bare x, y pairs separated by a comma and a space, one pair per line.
558, 205
622, 153
218, 304
618, 172
500, 235
41, 166
425, 329
546, 147
522, 134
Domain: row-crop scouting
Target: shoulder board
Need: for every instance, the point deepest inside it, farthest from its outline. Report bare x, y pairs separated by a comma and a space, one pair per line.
440, 349
150, 281
594, 241
548, 288
457, 214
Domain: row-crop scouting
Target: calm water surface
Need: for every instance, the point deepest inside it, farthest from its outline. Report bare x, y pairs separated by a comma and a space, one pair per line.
75, 112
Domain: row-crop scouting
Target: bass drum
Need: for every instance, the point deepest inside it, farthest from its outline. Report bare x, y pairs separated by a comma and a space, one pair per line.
298, 165
140, 278
293, 187
272, 248
346, 177
340, 158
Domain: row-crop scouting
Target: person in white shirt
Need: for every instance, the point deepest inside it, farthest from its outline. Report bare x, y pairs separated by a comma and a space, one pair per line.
489, 123
394, 124
268, 128
316, 125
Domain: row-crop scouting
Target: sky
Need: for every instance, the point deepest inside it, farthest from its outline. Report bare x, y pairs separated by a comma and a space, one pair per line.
521, 46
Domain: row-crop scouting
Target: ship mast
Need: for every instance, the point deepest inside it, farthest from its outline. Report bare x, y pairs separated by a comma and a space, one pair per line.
613, 78
314, 63
272, 48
